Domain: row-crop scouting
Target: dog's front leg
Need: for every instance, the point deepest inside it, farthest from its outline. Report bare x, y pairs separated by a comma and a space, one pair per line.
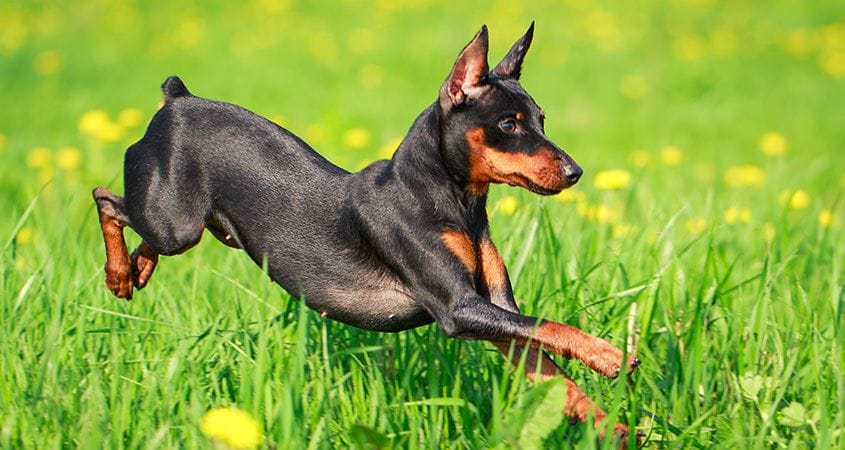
578, 406
596, 353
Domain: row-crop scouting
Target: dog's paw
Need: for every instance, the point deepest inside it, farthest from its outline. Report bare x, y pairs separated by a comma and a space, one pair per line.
119, 279
606, 359
143, 265
620, 436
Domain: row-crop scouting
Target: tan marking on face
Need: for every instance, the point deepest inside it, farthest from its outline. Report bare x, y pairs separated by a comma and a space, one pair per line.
459, 244
489, 165
493, 268
520, 117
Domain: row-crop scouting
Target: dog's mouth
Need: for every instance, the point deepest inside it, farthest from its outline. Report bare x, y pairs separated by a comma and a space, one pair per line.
543, 190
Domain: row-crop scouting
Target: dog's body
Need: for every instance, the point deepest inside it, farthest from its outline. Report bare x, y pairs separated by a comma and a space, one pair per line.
402, 243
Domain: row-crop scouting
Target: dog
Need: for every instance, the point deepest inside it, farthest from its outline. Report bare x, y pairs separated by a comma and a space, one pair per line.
403, 243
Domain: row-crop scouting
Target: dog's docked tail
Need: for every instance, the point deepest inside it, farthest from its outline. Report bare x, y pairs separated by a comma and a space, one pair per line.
174, 87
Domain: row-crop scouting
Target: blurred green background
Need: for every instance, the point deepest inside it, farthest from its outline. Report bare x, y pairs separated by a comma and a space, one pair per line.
708, 221
709, 77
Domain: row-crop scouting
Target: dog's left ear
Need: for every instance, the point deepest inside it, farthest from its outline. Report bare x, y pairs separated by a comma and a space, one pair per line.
511, 64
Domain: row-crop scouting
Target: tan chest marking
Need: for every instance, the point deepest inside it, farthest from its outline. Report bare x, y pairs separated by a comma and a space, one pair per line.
493, 269
460, 245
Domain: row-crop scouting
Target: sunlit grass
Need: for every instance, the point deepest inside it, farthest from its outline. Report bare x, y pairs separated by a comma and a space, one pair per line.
706, 234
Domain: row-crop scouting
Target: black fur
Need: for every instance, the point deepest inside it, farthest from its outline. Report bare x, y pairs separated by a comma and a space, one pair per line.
362, 248
402, 243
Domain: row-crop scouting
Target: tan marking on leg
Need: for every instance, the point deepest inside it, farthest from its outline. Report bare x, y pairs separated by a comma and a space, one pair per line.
493, 268
570, 342
490, 165
459, 244
118, 267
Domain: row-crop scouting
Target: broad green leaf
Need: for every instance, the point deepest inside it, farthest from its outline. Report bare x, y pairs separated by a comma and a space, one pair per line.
750, 386
545, 413
794, 415
367, 438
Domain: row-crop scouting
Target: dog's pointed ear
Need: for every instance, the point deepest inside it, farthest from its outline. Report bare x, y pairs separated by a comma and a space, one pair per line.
468, 74
511, 64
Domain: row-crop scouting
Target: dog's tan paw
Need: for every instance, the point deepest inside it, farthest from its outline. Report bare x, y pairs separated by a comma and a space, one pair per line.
119, 280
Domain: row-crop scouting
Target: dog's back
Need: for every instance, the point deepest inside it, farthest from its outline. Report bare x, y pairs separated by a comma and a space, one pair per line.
205, 163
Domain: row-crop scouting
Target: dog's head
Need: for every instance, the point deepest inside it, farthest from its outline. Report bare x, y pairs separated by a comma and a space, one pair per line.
493, 130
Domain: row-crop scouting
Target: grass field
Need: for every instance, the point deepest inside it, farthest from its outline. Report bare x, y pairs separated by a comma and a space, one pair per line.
707, 231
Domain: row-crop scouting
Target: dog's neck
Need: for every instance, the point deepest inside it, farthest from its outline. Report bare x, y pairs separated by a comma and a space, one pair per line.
421, 162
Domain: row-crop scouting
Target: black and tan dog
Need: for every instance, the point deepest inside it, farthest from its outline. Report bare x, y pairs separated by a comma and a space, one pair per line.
400, 244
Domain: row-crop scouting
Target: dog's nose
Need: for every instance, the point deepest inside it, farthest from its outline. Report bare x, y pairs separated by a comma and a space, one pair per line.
572, 172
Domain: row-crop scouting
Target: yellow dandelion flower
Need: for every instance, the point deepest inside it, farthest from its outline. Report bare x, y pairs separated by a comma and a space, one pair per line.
570, 196
583, 209
612, 179
130, 117
92, 120
386, 151
274, 6
798, 199
640, 158
833, 63
20, 263
603, 28
723, 41
600, 213
604, 214
68, 158
48, 62
24, 236
370, 76
769, 232
773, 144
362, 40
323, 46
634, 87
233, 427
14, 33
689, 48
696, 226
507, 205
671, 155
799, 42
97, 124
110, 133
826, 218
735, 214
190, 33
2, 142
357, 138
744, 176
621, 230
38, 158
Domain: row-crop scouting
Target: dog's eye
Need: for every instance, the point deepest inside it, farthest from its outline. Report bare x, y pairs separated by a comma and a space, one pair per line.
508, 126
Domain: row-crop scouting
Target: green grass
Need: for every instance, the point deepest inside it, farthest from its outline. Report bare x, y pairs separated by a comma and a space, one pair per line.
739, 325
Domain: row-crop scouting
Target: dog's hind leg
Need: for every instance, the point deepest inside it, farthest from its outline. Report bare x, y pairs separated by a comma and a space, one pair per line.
111, 208
123, 271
